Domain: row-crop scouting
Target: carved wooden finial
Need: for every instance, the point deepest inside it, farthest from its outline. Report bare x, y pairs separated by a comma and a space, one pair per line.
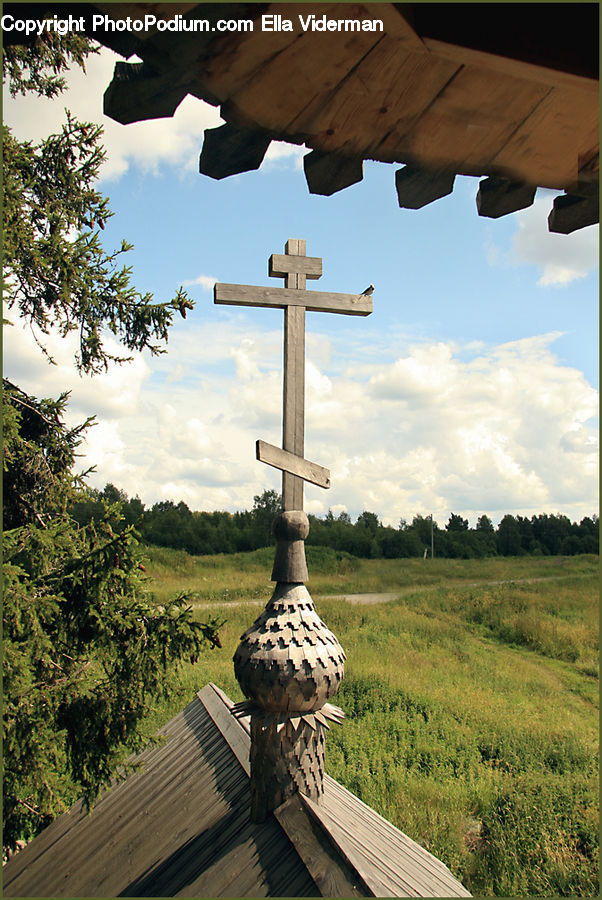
288, 665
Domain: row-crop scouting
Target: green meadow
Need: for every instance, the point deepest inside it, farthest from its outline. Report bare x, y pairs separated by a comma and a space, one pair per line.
471, 701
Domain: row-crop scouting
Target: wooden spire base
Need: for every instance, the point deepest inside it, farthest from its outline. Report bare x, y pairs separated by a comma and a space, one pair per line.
290, 529
284, 760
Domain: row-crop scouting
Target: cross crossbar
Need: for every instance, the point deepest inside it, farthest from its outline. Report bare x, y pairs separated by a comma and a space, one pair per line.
281, 265
313, 301
288, 462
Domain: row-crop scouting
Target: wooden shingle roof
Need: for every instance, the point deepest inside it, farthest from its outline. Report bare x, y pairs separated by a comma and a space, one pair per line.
179, 826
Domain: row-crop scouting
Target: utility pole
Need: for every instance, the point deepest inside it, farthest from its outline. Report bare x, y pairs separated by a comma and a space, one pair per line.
432, 539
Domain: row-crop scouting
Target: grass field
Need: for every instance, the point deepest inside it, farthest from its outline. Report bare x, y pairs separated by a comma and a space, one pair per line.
471, 701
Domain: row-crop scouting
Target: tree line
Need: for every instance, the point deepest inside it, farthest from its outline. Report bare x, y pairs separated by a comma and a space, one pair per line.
169, 524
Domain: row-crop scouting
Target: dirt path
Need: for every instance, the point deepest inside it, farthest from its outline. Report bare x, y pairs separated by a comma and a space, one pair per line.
369, 599
386, 597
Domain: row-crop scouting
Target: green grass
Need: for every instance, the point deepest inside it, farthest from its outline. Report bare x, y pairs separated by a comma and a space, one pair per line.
471, 711
246, 576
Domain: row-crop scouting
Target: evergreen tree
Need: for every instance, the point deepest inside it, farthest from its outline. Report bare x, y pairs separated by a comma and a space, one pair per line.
57, 275
85, 649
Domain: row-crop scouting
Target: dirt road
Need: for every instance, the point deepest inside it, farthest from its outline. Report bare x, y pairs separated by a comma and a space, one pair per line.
369, 599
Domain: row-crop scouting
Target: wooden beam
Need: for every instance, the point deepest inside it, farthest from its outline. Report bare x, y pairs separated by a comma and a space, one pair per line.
229, 151
293, 377
330, 871
137, 92
416, 187
505, 65
211, 698
327, 173
280, 266
293, 406
295, 465
570, 213
315, 301
497, 197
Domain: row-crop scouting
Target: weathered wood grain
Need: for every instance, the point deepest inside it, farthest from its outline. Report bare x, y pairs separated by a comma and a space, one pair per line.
288, 462
293, 381
227, 724
566, 121
403, 82
314, 301
293, 406
280, 266
457, 128
271, 93
327, 868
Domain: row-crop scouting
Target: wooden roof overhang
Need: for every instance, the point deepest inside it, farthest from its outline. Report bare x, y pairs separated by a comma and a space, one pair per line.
180, 826
508, 91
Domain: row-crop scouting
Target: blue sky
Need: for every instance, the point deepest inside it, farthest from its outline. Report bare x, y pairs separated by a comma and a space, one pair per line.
472, 388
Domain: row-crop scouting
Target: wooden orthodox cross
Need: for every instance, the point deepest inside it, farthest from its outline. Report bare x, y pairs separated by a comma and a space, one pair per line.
295, 267
288, 663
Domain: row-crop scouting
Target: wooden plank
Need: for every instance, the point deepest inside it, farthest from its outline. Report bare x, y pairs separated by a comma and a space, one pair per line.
380, 98
320, 61
545, 148
280, 266
293, 379
341, 805
506, 65
472, 118
293, 408
232, 731
342, 841
333, 877
289, 462
270, 297
239, 58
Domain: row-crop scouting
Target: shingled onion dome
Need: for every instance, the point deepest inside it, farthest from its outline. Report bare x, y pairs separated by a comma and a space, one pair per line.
288, 665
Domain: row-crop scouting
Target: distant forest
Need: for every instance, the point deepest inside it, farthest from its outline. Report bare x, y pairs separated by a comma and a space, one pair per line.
168, 524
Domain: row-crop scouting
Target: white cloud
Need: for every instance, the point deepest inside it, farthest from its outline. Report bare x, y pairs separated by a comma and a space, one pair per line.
205, 281
280, 152
504, 429
560, 258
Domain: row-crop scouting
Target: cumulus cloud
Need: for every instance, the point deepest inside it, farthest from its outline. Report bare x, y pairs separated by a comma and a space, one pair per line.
205, 281
560, 258
280, 154
147, 145
441, 428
